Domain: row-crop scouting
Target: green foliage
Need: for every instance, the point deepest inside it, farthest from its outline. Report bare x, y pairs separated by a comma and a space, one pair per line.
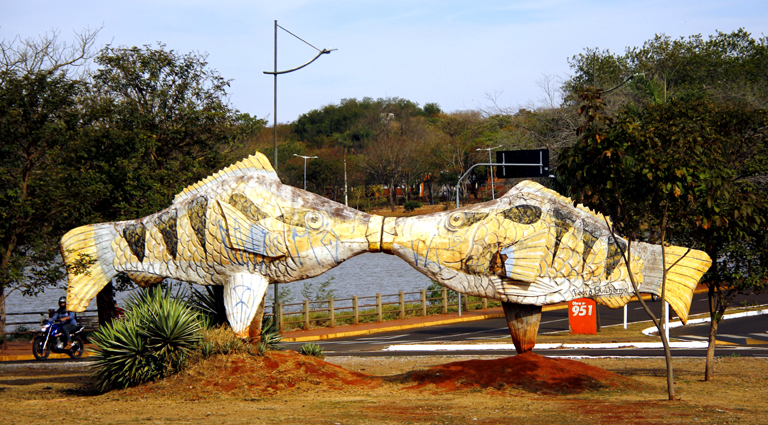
39, 118
724, 67
318, 291
210, 304
435, 290
270, 336
154, 339
310, 349
21, 333
164, 123
411, 205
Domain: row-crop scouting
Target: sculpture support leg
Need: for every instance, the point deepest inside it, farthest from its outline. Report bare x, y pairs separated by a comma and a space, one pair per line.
523, 321
254, 330
243, 294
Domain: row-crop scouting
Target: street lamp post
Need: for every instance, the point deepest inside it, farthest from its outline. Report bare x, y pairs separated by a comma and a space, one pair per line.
493, 186
305, 167
276, 73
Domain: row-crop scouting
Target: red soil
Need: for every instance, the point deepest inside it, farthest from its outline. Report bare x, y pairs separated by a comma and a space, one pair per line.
528, 371
287, 371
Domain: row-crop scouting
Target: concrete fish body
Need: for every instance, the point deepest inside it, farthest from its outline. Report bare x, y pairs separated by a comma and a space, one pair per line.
240, 228
533, 247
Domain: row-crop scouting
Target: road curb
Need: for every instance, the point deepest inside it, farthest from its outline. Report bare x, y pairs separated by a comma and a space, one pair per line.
25, 357
361, 332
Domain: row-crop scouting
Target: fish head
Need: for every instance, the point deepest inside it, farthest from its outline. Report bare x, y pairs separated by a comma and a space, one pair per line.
463, 248
304, 233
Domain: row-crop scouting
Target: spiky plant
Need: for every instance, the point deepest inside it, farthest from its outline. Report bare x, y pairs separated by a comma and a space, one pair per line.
153, 340
310, 349
270, 336
210, 303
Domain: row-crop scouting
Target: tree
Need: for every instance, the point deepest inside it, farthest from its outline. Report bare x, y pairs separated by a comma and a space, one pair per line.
39, 119
161, 121
699, 162
723, 67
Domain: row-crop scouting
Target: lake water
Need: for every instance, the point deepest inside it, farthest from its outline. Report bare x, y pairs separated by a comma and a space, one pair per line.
364, 275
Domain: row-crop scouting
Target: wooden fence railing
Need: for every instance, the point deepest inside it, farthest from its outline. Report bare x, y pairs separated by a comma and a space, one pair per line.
378, 308
88, 318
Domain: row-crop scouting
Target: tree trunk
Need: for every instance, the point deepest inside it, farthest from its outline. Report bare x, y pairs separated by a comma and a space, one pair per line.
709, 369
523, 321
2, 310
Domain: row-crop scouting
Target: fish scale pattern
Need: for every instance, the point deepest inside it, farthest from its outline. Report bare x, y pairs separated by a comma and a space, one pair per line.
533, 246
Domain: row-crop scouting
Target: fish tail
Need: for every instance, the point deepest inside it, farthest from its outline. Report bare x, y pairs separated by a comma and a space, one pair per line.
89, 259
685, 269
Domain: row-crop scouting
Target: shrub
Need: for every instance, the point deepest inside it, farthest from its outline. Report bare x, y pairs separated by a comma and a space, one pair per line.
153, 340
211, 304
270, 336
411, 205
310, 349
21, 333
221, 340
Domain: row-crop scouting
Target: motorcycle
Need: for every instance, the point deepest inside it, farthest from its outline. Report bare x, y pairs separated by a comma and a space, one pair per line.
51, 339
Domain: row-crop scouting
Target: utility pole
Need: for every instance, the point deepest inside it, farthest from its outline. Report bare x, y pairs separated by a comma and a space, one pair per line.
275, 164
276, 73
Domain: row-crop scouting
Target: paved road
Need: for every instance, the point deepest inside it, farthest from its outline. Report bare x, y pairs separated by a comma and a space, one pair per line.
735, 331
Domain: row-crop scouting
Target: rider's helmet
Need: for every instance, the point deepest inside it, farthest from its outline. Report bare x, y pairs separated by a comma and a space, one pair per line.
63, 302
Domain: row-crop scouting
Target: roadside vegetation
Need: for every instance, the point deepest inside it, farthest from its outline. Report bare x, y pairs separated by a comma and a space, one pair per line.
670, 139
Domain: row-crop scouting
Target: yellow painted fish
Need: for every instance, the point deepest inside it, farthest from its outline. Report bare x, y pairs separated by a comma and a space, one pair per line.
240, 228
533, 247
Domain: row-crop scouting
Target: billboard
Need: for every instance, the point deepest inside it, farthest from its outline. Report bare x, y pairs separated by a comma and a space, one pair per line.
527, 163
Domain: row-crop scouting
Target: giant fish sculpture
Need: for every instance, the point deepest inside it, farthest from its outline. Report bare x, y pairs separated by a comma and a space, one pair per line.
240, 228
532, 247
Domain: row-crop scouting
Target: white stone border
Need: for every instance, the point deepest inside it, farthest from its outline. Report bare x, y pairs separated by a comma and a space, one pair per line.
653, 330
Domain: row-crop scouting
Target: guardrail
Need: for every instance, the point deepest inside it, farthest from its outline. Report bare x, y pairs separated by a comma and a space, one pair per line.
378, 308
88, 318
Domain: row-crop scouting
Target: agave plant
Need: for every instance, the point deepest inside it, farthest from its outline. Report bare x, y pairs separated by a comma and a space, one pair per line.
270, 336
310, 349
154, 339
210, 303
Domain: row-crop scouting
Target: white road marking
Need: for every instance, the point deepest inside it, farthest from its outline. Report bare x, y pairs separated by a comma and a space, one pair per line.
387, 338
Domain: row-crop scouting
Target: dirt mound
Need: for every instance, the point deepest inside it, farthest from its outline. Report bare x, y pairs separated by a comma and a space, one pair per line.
527, 371
275, 372
282, 372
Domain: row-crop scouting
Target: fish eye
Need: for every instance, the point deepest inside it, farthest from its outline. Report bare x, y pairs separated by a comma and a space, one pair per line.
314, 220
455, 221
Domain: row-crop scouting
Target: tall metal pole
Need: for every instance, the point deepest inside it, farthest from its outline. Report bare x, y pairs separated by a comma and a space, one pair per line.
274, 163
305, 167
346, 201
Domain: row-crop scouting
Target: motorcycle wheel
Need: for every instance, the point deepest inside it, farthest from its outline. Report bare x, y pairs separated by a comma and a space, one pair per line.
77, 348
39, 349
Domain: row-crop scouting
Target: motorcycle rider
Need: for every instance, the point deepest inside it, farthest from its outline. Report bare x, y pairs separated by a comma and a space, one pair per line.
68, 320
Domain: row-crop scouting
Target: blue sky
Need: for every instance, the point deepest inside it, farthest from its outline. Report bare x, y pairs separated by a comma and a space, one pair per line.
458, 54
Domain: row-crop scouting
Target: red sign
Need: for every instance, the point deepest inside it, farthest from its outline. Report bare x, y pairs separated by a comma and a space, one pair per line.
582, 316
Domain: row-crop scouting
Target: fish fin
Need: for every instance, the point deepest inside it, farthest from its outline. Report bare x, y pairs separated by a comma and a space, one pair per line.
145, 280
536, 187
523, 258
243, 234
243, 294
683, 277
254, 164
91, 243
613, 301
